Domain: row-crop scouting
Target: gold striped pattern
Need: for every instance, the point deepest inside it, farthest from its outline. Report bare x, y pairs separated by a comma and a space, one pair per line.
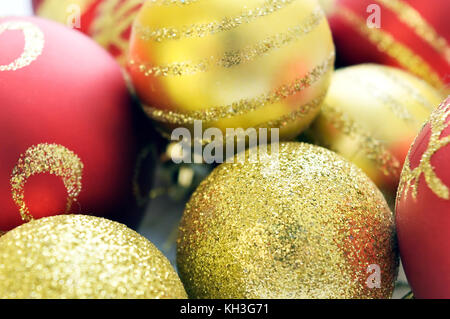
374, 149
245, 105
237, 57
387, 44
204, 29
422, 28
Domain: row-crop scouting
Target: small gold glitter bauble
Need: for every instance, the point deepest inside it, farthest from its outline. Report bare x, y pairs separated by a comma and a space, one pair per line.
305, 224
371, 115
76, 256
232, 63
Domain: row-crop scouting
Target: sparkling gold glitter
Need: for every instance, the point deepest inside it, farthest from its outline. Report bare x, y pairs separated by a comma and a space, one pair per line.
204, 29
46, 158
410, 16
410, 177
386, 43
34, 43
245, 105
113, 18
373, 148
237, 57
78, 257
303, 224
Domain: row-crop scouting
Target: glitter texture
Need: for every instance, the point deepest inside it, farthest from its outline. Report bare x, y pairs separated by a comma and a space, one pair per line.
410, 16
305, 224
46, 158
371, 115
410, 177
386, 43
232, 64
75, 256
236, 57
204, 29
34, 43
246, 105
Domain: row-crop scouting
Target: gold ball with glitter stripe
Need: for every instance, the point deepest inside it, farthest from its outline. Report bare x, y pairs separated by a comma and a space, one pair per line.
371, 115
231, 64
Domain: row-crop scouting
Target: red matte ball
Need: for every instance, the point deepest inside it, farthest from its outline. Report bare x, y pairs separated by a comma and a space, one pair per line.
66, 135
423, 209
413, 35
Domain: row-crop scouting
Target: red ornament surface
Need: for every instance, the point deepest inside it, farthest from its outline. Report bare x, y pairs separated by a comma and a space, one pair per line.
66, 138
413, 35
423, 209
108, 22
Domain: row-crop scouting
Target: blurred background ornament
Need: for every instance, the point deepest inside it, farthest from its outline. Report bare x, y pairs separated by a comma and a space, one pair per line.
300, 223
229, 64
108, 22
75, 256
423, 208
371, 115
67, 140
413, 35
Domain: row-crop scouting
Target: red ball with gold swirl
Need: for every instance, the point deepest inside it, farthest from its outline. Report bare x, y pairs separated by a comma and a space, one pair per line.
423, 208
66, 133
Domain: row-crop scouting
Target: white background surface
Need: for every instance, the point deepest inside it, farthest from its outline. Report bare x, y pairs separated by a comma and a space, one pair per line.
15, 7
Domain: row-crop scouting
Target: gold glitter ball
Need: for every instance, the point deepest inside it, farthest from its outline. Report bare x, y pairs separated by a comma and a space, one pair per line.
76, 256
301, 224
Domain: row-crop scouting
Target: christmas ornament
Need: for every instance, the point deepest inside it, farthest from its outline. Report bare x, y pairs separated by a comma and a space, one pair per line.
108, 22
423, 207
413, 35
300, 222
66, 133
83, 257
228, 64
371, 115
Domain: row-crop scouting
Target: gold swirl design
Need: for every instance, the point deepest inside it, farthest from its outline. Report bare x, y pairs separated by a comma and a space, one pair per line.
410, 177
410, 16
245, 105
204, 29
113, 18
386, 43
34, 43
374, 149
237, 57
46, 158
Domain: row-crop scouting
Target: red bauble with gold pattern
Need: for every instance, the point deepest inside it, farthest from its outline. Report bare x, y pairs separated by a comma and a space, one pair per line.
423, 209
412, 34
66, 138
108, 22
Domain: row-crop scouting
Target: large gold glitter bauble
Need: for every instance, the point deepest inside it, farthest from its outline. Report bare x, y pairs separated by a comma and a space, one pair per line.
232, 63
305, 224
75, 256
371, 115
